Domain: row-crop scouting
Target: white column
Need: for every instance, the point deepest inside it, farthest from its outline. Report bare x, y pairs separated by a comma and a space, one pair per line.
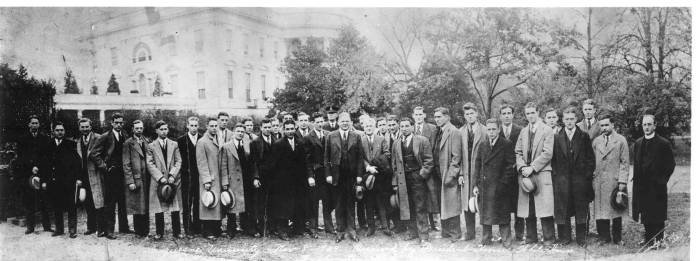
102, 117
79, 114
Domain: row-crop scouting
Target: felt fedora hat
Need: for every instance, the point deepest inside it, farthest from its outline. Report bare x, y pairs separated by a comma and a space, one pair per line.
528, 184
359, 192
394, 201
619, 199
473, 206
35, 182
227, 199
208, 199
370, 182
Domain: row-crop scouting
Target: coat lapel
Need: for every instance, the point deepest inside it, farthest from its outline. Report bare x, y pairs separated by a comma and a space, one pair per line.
234, 150
538, 138
493, 151
139, 149
446, 134
611, 145
563, 141
170, 151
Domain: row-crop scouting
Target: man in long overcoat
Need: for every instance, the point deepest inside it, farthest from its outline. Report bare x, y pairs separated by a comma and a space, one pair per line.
412, 162
260, 150
611, 172
60, 178
288, 178
164, 163
322, 190
137, 179
209, 177
92, 180
573, 164
534, 150
493, 173
434, 182
376, 151
241, 179
31, 160
447, 154
472, 134
653, 166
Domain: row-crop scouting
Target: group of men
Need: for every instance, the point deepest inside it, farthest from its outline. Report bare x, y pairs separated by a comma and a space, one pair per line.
387, 174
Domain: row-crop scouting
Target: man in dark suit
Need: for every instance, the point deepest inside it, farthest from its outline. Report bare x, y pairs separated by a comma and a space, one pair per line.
653, 166
376, 165
31, 161
276, 128
589, 124
288, 180
189, 178
573, 163
60, 179
428, 130
260, 151
91, 179
315, 145
493, 173
331, 124
510, 132
107, 156
343, 159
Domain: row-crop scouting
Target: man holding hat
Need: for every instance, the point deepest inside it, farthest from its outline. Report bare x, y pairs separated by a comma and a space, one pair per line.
60, 179
493, 173
92, 181
377, 177
315, 145
611, 173
447, 156
239, 177
533, 152
472, 134
210, 184
164, 163
137, 179
31, 151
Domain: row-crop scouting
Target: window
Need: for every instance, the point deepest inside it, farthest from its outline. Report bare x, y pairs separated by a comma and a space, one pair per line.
245, 44
198, 40
263, 86
173, 83
248, 86
141, 53
228, 40
114, 56
230, 84
201, 84
275, 50
261, 47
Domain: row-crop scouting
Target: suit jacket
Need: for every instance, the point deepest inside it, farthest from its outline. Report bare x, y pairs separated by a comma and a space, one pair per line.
135, 171
651, 174
94, 178
449, 161
423, 154
542, 151
572, 176
428, 131
31, 153
593, 130
208, 163
238, 179
189, 169
60, 172
467, 162
374, 153
315, 158
224, 136
104, 150
332, 158
159, 168
493, 174
513, 136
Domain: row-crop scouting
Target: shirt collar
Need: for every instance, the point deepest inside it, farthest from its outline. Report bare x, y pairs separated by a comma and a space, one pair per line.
648, 137
494, 141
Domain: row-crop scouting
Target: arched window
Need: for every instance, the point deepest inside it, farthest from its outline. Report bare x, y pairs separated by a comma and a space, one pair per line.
141, 53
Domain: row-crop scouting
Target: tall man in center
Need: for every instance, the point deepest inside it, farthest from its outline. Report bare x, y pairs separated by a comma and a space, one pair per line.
472, 133
164, 162
343, 161
533, 153
447, 154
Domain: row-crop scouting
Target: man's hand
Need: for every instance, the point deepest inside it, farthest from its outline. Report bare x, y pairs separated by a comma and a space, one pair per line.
394, 188
622, 187
461, 180
359, 179
132, 187
371, 169
34, 170
526, 171
207, 186
257, 183
225, 187
329, 179
43, 186
162, 180
78, 182
311, 181
475, 191
170, 180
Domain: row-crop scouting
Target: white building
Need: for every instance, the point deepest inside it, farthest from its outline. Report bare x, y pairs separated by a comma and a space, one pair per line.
203, 59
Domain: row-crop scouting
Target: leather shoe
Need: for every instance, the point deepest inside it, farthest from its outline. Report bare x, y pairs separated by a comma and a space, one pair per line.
257, 235
339, 237
423, 242
55, 234
179, 236
29, 231
211, 237
110, 236
371, 231
126, 231
388, 233
353, 237
73, 235
283, 236
411, 237
101, 234
89, 232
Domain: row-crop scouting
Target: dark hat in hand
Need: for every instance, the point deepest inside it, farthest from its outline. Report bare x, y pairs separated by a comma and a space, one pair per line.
619, 199
35, 182
394, 201
165, 192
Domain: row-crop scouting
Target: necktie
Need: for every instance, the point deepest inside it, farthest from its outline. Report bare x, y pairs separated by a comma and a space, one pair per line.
588, 123
508, 132
607, 139
343, 136
418, 130
292, 145
84, 140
